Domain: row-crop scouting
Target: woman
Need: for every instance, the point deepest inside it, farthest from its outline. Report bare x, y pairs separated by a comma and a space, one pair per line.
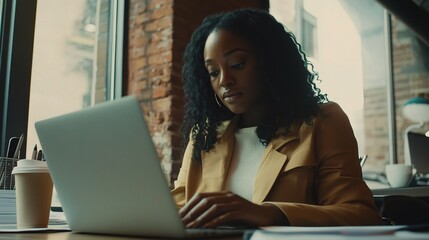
264, 146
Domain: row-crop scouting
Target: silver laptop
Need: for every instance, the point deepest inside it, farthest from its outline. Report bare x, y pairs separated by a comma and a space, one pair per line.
108, 175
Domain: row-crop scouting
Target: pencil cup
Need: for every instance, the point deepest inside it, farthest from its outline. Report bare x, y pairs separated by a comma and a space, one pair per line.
7, 182
33, 193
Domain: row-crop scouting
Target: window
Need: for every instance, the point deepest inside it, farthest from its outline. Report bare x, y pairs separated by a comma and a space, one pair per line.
75, 61
346, 42
309, 34
1, 10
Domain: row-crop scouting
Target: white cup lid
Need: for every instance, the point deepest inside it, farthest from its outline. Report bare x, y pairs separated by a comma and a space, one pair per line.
30, 166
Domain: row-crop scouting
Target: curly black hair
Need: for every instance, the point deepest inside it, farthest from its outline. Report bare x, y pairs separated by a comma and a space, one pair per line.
284, 67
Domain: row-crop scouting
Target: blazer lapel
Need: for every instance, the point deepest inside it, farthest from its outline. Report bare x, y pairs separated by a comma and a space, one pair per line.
272, 163
216, 162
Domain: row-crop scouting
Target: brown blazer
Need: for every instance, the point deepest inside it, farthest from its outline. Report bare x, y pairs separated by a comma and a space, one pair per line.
312, 174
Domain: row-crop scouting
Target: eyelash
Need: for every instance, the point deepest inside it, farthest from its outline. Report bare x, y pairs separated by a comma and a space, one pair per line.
237, 66
213, 74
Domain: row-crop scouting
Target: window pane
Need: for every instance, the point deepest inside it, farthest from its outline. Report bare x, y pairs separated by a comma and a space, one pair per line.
69, 59
350, 59
1, 11
309, 34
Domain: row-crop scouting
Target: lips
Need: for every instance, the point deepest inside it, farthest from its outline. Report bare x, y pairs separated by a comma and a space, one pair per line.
231, 96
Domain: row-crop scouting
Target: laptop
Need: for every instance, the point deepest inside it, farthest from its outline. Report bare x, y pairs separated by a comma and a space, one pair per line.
419, 152
108, 176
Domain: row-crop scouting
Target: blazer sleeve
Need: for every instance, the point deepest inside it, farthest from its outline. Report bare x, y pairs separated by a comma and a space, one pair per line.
179, 191
343, 198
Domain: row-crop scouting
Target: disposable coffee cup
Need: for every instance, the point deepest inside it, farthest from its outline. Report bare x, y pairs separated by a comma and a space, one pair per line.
33, 186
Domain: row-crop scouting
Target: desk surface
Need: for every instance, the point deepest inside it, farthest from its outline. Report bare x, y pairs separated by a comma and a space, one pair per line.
71, 236
412, 191
313, 236
417, 191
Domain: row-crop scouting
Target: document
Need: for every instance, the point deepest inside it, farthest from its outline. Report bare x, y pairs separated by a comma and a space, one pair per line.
333, 233
7, 207
57, 221
347, 230
34, 230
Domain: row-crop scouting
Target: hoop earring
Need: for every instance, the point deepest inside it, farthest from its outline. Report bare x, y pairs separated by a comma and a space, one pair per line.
217, 101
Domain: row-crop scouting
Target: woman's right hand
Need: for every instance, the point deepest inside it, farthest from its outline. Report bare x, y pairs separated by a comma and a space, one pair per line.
215, 209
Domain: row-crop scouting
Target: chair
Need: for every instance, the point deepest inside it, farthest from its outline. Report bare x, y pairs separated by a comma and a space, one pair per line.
404, 210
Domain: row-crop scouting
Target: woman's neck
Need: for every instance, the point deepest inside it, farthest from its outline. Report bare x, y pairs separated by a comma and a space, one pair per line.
254, 117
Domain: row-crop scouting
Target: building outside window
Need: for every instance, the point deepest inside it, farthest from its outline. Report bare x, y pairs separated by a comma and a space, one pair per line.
64, 59
309, 34
1, 12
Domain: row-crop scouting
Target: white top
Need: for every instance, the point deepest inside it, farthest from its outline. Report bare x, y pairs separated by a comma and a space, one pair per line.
245, 162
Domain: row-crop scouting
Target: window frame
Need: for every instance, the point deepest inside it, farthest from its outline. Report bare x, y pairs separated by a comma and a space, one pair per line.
390, 85
16, 61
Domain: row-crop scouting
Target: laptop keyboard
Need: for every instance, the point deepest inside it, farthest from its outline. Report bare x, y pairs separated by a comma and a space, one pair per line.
214, 232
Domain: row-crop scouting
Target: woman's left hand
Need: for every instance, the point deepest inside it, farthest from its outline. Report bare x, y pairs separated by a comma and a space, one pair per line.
214, 209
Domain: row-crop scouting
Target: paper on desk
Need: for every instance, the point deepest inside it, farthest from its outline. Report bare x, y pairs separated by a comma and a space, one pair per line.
348, 230
334, 233
262, 235
7, 207
30, 230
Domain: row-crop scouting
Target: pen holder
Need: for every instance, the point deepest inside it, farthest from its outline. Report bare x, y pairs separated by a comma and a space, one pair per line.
7, 180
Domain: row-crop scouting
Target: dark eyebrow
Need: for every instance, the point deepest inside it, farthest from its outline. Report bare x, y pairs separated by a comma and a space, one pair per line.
229, 53
234, 50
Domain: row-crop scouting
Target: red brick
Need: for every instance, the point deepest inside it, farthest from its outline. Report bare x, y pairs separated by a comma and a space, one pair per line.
160, 58
164, 35
143, 18
159, 47
137, 6
135, 53
138, 63
165, 10
162, 104
159, 24
161, 91
142, 85
156, 4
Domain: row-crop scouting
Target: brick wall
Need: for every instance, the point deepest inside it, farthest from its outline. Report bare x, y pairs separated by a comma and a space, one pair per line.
376, 128
158, 33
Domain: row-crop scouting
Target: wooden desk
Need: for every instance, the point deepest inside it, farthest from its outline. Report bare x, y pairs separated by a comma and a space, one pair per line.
76, 236
72, 236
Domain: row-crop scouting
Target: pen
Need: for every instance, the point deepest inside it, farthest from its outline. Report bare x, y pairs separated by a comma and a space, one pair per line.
18, 146
2, 180
40, 155
34, 155
363, 160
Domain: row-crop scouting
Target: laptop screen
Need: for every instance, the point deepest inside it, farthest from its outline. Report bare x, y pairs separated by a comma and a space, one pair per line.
419, 151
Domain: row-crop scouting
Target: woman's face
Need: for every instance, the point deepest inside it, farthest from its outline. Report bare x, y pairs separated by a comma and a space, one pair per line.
232, 66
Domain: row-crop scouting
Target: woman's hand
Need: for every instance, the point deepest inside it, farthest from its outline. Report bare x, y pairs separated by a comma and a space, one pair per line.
214, 209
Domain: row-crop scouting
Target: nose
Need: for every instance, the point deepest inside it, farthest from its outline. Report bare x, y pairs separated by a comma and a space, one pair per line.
226, 79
